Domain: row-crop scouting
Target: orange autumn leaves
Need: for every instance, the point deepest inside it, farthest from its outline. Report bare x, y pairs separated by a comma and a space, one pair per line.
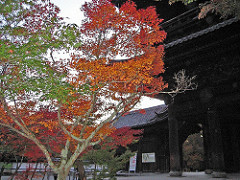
120, 59
109, 35
44, 124
126, 33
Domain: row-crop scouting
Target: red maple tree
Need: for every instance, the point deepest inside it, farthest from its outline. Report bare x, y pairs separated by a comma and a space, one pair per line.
83, 95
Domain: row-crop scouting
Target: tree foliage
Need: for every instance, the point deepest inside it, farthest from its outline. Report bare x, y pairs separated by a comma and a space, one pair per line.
193, 153
108, 160
64, 105
223, 7
106, 154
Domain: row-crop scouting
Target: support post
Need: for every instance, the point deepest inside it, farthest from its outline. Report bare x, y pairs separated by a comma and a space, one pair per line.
139, 157
175, 165
207, 149
236, 148
216, 141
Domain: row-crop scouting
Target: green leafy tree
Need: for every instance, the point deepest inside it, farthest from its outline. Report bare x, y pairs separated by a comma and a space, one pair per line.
106, 154
108, 159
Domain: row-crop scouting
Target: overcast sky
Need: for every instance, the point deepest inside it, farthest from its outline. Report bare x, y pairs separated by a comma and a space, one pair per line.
70, 10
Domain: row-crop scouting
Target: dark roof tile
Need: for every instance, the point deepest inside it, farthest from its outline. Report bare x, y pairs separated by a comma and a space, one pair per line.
136, 118
200, 33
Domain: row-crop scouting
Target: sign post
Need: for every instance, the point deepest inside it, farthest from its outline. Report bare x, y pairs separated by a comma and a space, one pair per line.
133, 163
148, 157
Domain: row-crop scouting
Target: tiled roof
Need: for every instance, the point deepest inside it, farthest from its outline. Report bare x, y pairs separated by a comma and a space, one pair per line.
137, 118
200, 33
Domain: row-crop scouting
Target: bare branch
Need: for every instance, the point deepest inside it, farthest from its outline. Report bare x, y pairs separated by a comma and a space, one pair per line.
183, 82
51, 55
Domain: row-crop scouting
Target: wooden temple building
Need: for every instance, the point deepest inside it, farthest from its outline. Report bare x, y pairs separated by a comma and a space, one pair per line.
210, 50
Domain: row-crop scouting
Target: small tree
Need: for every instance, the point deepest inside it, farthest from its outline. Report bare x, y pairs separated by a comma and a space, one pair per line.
108, 160
105, 154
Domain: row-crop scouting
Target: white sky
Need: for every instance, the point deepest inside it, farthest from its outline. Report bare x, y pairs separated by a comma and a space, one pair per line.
70, 10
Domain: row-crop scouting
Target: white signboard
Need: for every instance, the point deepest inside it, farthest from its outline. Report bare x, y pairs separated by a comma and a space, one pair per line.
133, 163
148, 157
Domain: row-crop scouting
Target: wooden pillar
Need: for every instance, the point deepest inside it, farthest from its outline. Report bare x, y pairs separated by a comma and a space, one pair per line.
175, 165
235, 148
139, 157
166, 152
216, 142
207, 149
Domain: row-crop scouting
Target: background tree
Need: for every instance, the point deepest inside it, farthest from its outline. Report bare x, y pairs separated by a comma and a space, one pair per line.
193, 152
9, 152
22, 150
83, 94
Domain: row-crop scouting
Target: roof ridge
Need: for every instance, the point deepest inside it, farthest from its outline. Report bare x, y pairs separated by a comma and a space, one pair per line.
201, 32
146, 109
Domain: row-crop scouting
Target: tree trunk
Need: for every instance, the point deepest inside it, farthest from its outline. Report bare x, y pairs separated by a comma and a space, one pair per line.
45, 171
62, 175
95, 171
17, 168
81, 170
2, 169
34, 171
